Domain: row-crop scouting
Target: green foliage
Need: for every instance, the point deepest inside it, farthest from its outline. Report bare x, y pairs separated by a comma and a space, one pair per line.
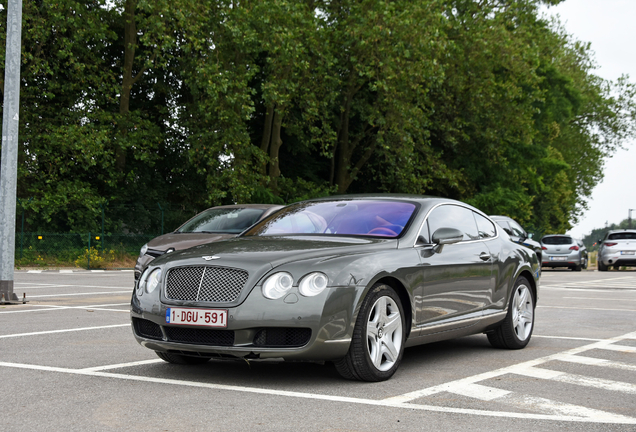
129, 105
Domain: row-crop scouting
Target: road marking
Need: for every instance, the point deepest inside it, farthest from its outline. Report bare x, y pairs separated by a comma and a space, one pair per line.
506, 370
592, 361
582, 308
63, 331
56, 308
123, 365
566, 337
586, 290
42, 286
599, 298
34, 271
76, 294
579, 414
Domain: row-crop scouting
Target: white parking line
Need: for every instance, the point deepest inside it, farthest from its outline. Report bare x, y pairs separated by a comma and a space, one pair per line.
592, 361
123, 365
63, 331
600, 299
46, 308
76, 294
43, 286
580, 414
523, 367
582, 308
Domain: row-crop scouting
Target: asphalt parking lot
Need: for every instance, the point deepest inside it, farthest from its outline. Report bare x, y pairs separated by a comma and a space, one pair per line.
69, 362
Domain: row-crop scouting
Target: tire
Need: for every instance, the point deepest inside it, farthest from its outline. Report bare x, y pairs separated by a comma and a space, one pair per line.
515, 330
601, 266
378, 338
577, 268
585, 264
181, 359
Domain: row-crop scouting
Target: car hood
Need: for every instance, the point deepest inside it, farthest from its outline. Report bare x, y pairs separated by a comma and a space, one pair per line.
180, 241
254, 252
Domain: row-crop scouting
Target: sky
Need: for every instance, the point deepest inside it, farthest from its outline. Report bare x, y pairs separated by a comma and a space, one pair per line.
609, 26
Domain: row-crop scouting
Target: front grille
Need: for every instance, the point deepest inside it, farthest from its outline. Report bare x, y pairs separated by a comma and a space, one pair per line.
200, 336
147, 329
282, 337
205, 284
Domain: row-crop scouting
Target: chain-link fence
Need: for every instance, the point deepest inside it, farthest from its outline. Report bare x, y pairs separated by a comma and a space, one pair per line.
86, 250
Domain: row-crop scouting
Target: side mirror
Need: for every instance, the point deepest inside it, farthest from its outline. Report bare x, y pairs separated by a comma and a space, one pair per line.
444, 236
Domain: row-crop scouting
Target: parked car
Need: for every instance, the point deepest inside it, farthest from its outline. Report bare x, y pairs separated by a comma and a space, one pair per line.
560, 250
213, 224
618, 248
352, 280
518, 234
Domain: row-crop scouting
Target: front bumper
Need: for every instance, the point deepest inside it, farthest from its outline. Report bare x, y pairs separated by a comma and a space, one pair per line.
293, 328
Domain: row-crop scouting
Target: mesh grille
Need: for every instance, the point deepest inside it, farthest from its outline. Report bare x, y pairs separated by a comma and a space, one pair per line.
206, 284
200, 336
147, 329
282, 337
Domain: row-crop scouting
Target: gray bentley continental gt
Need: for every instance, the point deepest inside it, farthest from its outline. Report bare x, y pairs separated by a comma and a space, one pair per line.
352, 280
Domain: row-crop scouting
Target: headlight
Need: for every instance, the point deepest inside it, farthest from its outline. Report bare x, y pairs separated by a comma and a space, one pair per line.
313, 284
153, 281
277, 285
141, 282
143, 250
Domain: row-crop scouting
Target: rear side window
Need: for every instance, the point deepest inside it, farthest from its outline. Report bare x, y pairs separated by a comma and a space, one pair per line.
517, 230
485, 227
557, 240
452, 216
622, 236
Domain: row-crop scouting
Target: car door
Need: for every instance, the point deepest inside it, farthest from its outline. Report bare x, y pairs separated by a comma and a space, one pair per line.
456, 282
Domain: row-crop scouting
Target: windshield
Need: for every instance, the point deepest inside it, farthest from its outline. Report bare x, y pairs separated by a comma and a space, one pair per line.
557, 240
343, 217
222, 220
622, 236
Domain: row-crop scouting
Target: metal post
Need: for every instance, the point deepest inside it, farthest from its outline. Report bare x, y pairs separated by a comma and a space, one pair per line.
9, 163
629, 218
102, 207
161, 208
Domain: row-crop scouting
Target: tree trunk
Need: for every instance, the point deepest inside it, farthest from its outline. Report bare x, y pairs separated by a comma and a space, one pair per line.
130, 42
274, 147
267, 135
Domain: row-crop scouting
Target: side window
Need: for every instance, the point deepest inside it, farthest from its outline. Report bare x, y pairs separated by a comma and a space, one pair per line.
452, 216
484, 226
517, 230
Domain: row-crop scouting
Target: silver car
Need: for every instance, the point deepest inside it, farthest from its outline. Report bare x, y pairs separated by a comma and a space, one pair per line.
561, 250
618, 248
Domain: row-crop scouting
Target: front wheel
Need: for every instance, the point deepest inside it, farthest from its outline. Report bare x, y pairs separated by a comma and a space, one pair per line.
515, 330
378, 338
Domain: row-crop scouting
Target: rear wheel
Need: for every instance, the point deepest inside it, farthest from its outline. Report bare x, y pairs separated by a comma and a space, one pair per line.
601, 266
515, 330
181, 359
577, 268
378, 338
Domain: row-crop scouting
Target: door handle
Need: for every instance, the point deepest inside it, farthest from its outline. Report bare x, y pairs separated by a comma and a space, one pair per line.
484, 256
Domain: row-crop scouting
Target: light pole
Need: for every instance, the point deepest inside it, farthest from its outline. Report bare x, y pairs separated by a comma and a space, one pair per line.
629, 218
9, 164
